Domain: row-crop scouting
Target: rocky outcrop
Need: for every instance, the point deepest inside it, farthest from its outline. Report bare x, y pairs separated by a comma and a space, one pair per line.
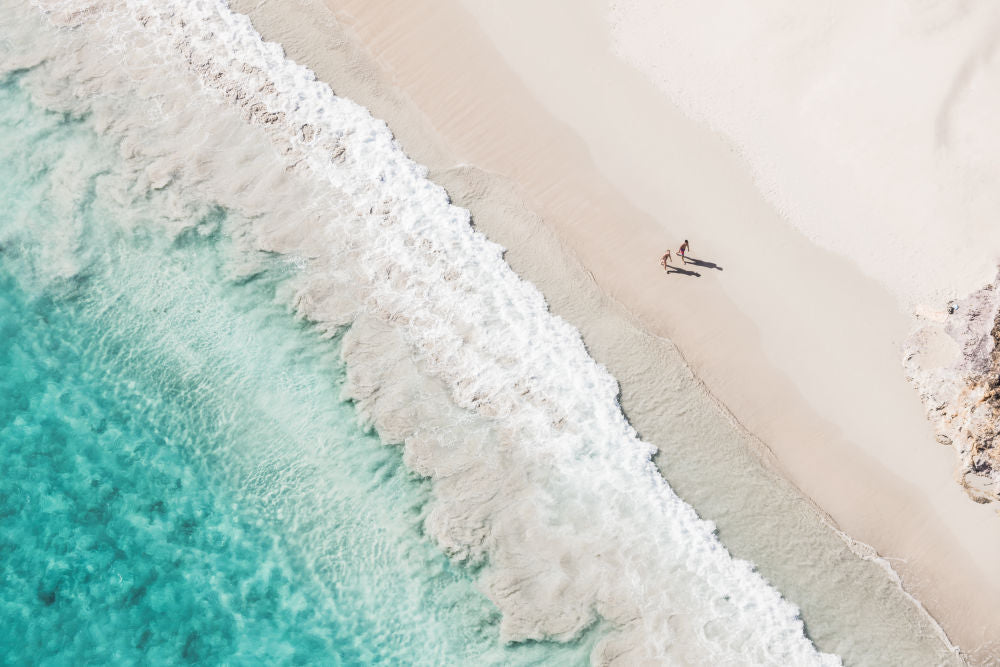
953, 359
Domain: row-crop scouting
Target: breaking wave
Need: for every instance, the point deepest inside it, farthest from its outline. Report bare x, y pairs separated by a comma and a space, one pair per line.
538, 480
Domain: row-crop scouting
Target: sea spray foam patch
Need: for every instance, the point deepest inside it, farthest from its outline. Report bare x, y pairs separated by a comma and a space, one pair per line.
535, 473
182, 480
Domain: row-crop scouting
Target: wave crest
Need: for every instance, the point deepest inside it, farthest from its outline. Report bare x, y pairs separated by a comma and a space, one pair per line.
537, 476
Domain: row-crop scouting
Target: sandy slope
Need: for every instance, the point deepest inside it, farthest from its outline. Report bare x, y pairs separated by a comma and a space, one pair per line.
869, 125
798, 343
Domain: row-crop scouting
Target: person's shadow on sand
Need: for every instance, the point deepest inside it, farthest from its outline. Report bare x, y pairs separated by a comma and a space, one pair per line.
703, 263
685, 272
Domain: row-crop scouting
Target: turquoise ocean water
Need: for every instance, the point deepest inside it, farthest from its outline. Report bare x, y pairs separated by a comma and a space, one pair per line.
182, 482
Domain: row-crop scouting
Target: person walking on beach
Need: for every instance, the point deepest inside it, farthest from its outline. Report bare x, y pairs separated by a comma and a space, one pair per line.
664, 260
684, 248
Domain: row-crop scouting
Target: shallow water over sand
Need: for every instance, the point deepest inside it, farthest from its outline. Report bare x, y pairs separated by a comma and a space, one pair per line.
183, 481
156, 259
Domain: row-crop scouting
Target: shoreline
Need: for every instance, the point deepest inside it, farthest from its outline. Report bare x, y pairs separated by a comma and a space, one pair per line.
723, 334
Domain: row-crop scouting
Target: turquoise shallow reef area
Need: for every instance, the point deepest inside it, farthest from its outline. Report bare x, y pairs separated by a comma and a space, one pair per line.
182, 481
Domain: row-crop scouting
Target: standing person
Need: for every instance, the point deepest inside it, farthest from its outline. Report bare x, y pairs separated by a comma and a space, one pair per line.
684, 248
664, 260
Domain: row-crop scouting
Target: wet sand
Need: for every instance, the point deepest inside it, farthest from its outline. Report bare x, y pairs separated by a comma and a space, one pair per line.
526, 114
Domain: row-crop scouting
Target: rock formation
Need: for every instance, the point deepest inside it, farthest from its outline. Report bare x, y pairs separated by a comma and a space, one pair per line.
953, 359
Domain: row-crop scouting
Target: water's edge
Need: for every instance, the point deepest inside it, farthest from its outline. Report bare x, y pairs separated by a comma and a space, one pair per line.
499, 210
537, 479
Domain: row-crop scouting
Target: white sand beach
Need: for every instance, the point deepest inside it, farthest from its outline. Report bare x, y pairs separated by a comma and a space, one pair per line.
794, 315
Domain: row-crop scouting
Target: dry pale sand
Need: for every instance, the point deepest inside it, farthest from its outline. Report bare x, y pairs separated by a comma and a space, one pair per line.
800, 346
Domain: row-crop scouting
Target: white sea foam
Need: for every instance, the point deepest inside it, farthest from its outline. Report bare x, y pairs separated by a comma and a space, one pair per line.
536, 473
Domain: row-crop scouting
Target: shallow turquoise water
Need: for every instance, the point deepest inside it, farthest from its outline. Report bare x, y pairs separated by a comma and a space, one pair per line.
182, 482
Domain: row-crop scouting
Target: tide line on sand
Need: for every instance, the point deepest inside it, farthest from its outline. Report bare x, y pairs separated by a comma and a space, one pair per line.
799, 324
